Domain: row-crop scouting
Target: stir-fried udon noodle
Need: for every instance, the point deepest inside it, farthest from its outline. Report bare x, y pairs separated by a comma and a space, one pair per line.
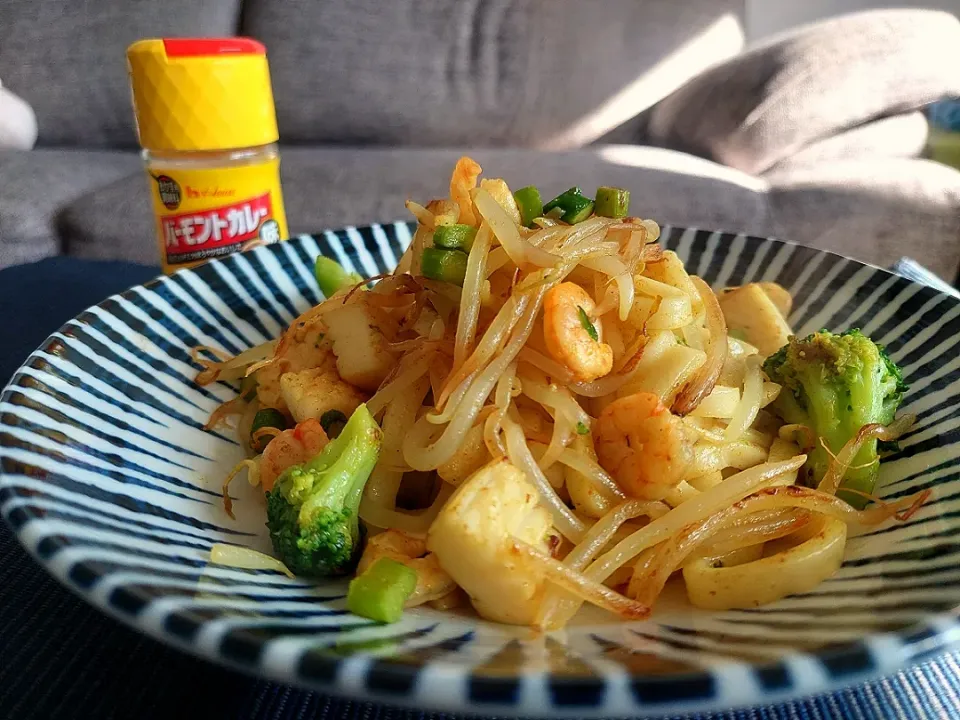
571, 417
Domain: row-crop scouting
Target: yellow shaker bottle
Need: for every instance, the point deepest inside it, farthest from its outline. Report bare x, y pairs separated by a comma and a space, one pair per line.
208, 129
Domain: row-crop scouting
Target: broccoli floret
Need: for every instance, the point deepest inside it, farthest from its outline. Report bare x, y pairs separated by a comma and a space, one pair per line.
836, 384
312, 509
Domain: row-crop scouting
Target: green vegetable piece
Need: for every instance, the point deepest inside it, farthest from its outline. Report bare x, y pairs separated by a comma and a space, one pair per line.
530, 205
455, 237
312, 508
582, 429
268, 417
836, 384
612, 202
738, 334
248, 387
580, 210
444, 265
576, 208
331, 276
560, 200
332, 422
587, 325
380, 592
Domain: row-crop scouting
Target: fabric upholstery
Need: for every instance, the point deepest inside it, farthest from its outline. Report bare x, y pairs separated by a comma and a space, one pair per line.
773, 101
903, 135
36, 184
872, 210
68, 58
876, 210
542, 73
326, 188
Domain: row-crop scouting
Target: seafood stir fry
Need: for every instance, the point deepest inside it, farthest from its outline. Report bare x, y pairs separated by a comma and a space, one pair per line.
540, 408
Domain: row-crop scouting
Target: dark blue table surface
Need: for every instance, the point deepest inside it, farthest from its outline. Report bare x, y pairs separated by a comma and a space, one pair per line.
60, 658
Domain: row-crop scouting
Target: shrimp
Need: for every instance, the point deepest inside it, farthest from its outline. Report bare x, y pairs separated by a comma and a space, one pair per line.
463, 180
643, 446
572, 336
289, 448
432, 582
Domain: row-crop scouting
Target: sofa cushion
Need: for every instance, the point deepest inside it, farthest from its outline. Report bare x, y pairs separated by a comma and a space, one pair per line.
771, 102
903, 135
68, 59
874, 210
36, 184
544, 73
332, 187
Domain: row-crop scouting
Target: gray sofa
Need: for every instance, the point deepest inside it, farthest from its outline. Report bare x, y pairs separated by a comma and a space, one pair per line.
814, 137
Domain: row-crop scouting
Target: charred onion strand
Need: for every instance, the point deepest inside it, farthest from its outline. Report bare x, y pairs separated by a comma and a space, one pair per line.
840, 463
704, 381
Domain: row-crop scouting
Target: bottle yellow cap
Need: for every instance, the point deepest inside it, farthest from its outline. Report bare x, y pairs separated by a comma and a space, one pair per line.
202, 94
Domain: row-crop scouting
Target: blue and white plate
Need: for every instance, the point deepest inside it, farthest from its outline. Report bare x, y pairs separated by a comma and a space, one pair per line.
109, 479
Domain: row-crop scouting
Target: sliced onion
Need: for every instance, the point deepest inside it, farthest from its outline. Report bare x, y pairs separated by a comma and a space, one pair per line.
592, 471
749, 405
245, 558
551, 367
412, 367
496, 333
581, 586
423, 216
606, 527
706, 377
470, 303
229, 368
553, 397
697, 509
802, 435
763, 580
840, 463
569, 525
414, 523
252, 466
756, 528
657, 564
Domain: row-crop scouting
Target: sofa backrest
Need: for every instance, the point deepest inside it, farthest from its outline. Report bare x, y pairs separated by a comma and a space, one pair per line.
67, 58
542, 73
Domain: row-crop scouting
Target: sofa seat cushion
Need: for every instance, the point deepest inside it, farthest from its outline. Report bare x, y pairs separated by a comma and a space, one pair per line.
331, 187
771, 102
873, 210
35, 185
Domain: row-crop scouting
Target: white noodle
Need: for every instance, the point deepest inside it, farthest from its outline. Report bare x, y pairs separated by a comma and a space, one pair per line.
569, 525
698, 508
749, 404
519, 250
470, 298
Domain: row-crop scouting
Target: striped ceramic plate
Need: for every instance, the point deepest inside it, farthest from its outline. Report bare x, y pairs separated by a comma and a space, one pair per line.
111, 482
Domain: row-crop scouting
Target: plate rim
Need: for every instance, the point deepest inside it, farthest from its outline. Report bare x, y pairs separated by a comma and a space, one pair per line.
850, 662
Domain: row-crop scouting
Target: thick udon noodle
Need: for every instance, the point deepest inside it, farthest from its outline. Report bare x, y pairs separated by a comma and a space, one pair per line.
474, 374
